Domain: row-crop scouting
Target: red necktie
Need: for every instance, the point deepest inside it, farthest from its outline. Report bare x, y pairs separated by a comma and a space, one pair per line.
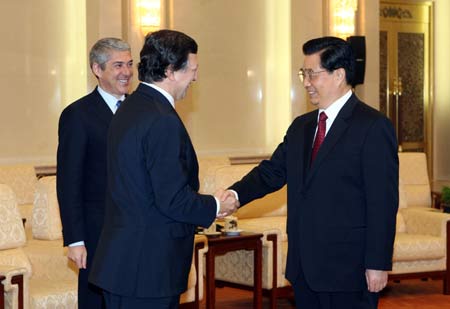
320, 135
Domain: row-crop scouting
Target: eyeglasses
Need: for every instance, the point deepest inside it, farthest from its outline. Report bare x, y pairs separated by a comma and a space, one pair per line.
309, 74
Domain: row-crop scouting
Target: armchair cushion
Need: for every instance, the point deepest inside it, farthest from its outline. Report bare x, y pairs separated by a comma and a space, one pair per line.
46, 221
53, 294
412, 247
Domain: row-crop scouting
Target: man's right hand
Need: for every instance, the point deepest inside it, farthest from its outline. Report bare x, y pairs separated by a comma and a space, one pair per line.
228, 202
78, 255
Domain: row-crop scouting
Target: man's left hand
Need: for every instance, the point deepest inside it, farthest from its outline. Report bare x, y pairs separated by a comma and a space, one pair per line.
376, 280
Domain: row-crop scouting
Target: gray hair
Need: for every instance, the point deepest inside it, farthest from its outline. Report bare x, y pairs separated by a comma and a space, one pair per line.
100, 52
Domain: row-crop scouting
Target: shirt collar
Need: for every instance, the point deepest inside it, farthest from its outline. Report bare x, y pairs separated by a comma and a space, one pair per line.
163, 92
109, 99
333, 110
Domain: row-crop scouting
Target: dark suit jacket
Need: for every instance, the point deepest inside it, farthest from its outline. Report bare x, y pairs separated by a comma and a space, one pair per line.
81, 169
342, 208
152, 208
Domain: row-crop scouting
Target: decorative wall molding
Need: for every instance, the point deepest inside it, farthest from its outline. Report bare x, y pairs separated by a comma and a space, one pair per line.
395, 12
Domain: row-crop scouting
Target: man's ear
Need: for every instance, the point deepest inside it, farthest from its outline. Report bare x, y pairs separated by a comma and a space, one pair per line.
170, 73
340, 73
96, 69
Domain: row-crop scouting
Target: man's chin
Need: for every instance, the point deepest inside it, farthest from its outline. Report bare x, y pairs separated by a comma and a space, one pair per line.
124, 89
314, 102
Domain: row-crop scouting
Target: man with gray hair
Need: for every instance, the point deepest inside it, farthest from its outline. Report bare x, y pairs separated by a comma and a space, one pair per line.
81, 159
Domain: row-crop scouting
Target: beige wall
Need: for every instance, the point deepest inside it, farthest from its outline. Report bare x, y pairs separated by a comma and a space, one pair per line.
368, 26
441, 111
240, 103
44, 68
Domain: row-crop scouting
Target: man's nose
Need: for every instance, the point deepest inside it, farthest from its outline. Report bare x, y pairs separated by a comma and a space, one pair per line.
306, 82
127, 70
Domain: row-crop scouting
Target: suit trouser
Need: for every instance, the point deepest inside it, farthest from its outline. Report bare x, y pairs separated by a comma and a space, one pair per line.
89, 296
306, 298
114, 301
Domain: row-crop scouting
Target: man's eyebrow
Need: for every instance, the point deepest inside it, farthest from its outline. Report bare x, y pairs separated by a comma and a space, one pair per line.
120, 62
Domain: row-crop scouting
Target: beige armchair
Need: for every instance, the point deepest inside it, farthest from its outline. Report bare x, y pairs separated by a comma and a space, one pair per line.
48, 279
421, 247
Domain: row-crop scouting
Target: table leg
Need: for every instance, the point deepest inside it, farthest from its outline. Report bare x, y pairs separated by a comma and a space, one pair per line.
2, 293
18, 279
210, 279
257, 275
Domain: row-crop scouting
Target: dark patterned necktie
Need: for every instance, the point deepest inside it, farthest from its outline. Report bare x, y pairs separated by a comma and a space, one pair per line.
118, 103
320, 136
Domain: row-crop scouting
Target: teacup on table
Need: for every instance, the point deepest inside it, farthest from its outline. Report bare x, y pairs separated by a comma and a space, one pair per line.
230, 226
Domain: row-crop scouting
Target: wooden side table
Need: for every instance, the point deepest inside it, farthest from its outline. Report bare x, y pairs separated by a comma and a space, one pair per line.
222, 244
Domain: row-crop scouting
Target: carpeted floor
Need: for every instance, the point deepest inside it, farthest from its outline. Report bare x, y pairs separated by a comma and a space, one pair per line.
406, 294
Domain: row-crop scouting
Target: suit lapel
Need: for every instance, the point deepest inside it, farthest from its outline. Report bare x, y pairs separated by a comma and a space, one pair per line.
339, 126
308, 138
100, 108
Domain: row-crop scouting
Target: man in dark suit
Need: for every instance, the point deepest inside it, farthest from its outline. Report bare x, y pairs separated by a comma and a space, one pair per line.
145, 249
81, 159
342, 193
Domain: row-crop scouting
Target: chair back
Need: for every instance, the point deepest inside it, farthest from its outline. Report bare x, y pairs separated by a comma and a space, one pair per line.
46, 220
22, 180
413, 176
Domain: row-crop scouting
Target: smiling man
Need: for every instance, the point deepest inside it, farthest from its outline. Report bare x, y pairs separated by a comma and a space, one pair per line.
81, 159
145, 250
340, 164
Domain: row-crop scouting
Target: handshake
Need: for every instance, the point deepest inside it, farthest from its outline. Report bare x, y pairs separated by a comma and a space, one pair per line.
228, 202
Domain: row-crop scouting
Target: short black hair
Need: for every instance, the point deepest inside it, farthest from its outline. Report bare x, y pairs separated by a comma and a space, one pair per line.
335, 53
164, 49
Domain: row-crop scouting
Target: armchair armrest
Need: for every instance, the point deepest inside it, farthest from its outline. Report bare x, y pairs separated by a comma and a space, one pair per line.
200, 249
51, 263
13, 284
425, 222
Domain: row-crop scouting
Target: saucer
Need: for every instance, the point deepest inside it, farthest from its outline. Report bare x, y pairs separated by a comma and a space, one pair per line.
210, 234
232, 233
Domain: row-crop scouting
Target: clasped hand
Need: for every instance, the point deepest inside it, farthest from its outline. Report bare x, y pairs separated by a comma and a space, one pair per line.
228, 202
